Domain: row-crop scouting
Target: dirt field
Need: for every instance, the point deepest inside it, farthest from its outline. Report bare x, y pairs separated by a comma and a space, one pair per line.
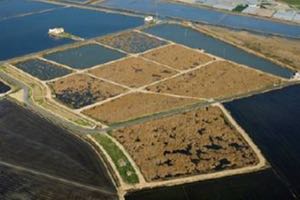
196, 142
80, 90
133, 72
178, 57
284, 50
132, 42
133, 106
219, 79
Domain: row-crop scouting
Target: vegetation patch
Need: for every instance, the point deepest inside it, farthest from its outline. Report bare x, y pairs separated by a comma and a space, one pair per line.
135, 105
132, 42
240, 8
121, 162
178, 57
216, 80
133, 72
41, 69
192, 143
85, 56
80, 90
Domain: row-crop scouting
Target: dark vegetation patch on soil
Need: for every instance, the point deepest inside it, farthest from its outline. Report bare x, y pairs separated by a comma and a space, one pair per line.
134, 105
133, 72
132, 42
178, 57
42, 69
80, 90
85, 56
196, 142
32, 142
216, 80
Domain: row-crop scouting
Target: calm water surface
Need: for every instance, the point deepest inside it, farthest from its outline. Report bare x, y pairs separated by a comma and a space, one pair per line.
195, 39
167, 9
18, 39
272, 121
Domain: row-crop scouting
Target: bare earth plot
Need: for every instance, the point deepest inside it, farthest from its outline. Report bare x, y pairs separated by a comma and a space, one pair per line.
216, 80
132, 42
197, 142
134, 105
81, 90
178, 57
133, 72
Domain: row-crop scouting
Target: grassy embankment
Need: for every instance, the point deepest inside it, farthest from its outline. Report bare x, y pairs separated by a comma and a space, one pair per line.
37, 93
121, 162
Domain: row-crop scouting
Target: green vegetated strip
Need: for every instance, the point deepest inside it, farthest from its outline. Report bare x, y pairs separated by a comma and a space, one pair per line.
240, 8
123, 165
292, 2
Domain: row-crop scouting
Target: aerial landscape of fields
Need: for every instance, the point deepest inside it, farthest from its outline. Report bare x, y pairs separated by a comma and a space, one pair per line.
149, 100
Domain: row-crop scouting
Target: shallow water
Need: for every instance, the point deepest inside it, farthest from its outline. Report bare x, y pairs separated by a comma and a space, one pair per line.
18, 39
14, 8
167, 9
4, 88
272, 121
262, 185
195, 39
85, 56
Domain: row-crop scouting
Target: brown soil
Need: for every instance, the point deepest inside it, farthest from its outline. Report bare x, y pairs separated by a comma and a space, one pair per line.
284, 50
133, 72
196, 142
178, 57
133, 106
132, 42
80, 90
216, 80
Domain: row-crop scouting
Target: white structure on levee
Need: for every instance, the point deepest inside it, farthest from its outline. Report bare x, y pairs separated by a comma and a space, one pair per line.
296, 76
149, 19
56, 31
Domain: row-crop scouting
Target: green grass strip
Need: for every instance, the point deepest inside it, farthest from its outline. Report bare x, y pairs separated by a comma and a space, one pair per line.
123, 165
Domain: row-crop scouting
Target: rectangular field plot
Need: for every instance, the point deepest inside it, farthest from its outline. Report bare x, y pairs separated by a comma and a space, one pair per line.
80, 90
192, 143
85, 56
133, 72
216, 80
133, 106
41, 69
132, 42
178, 57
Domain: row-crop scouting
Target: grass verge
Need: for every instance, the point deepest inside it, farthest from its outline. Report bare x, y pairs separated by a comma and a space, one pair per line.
121, 162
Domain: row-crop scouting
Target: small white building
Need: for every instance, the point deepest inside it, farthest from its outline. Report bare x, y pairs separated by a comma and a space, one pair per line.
56, 31
149, 19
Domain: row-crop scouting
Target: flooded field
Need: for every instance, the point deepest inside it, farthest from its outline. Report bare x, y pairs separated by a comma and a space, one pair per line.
195, 39
41, 69
215, 17
3, 87
262, 185
80, 22
16, 184
31, 142
85, 56
272, 121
